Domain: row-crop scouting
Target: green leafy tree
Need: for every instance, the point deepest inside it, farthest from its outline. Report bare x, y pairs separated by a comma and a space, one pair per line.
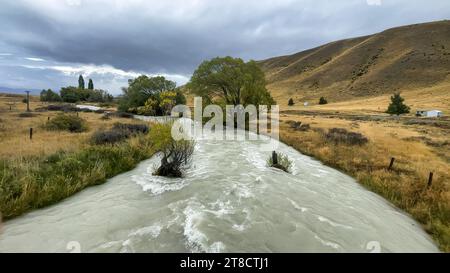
70, 94
91, 85
230, 81
167, 100
81, 82
397, 107
50, 96
322, 100
162, 104
141, 89
180, 98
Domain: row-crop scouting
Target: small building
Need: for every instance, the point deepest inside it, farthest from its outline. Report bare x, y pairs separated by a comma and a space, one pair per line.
429, 113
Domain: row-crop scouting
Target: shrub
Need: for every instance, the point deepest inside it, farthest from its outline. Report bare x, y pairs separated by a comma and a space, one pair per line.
118, 133
105, 117
280, 161
106, 104
109, 137
298, 126
291, 102
176, 154
69, 123
132, 128
121, 115
26, 115
322, 100
62, 107
341, 135
397, 107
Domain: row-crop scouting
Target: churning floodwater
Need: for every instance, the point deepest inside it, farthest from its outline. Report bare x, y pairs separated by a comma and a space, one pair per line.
228, 201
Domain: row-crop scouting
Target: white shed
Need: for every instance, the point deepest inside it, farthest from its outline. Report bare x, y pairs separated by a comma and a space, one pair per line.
429, 113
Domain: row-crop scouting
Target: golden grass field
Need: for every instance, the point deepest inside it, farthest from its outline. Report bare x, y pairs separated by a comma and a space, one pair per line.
14, 130
55, 165
418, 148
357, 76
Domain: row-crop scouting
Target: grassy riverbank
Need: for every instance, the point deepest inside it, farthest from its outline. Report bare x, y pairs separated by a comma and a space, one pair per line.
57, 164
35, 182
418, 150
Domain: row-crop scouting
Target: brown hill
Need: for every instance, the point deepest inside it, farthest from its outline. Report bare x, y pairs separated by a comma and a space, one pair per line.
399, 59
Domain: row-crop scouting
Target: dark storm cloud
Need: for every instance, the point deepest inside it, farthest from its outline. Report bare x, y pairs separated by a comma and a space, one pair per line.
173, 37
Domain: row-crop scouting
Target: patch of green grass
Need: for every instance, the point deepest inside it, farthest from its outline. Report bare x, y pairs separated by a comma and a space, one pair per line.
32, 183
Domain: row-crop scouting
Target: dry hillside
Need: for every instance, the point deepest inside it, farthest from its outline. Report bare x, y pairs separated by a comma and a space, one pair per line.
407, 58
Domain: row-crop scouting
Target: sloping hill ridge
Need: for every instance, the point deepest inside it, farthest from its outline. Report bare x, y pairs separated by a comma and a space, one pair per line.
398, 59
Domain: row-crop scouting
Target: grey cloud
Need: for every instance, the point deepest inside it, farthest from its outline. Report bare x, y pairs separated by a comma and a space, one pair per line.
174, 37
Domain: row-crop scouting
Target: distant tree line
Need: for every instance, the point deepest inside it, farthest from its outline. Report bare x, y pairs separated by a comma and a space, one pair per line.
73, 94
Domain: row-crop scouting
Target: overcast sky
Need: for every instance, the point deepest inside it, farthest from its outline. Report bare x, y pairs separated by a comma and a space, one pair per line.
48, 43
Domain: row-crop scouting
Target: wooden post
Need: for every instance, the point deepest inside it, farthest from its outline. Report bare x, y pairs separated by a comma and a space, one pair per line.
10, 107
31, 133
28, 101
391, 164
430, 180
48, 118
274, 158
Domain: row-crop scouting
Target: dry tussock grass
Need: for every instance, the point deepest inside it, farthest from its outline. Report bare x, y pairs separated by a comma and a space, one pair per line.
406, 185
14, 131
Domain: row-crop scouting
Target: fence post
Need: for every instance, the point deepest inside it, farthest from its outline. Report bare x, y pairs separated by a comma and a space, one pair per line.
391, 164
28, 101
430, 180
31, 133
274, 158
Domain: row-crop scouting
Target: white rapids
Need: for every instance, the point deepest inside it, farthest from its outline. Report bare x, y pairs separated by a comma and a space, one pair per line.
228, 201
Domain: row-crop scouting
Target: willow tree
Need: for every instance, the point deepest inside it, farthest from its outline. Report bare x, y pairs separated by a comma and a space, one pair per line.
231, 81
142, 89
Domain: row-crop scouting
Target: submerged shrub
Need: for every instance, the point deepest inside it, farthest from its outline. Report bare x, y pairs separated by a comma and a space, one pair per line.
69, 123
176, 154
341, 135
280, 161
122, 115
